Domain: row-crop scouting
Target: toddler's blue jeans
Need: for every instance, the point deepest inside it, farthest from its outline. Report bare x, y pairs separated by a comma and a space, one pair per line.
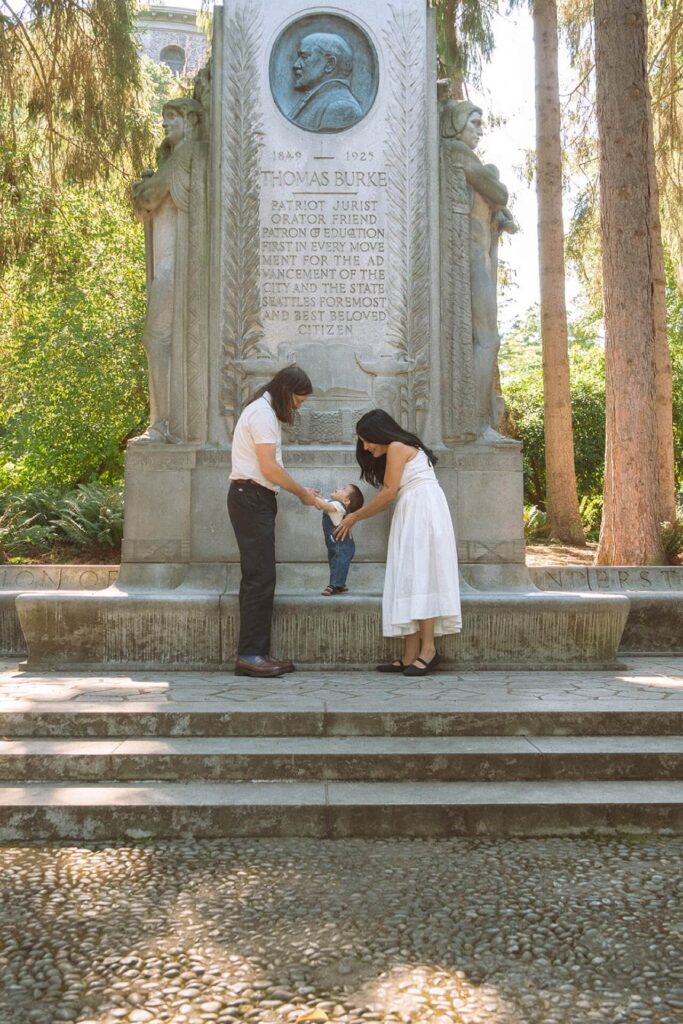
339, 553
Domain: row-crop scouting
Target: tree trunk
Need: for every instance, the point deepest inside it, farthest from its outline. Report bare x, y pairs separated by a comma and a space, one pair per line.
630, 523
663, 381
561, 496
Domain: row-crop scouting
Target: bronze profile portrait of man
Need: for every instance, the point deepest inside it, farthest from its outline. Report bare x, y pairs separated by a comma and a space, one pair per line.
322, 75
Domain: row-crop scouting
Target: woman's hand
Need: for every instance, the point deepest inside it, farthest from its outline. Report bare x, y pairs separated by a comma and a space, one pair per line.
347, 524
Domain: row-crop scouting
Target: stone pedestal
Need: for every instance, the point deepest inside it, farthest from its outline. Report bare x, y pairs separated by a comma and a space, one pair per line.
325, 248
176, 505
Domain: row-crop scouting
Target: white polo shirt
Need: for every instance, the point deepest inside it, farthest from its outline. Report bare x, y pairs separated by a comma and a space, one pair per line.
258, 424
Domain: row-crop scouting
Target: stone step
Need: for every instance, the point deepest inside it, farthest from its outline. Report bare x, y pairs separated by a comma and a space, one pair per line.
358, 759
336, 810
142, 718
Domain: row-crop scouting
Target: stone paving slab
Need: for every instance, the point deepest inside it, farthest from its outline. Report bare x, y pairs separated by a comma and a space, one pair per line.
646, 683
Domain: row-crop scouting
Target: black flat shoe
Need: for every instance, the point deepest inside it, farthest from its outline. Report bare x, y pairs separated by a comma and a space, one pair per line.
415, 670
391, 666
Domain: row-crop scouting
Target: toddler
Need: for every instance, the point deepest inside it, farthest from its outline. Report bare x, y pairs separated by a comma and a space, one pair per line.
339, 552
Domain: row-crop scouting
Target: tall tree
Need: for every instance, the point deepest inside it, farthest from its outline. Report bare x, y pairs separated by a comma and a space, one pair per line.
665, 76
666, 71
561, 495
74, 104
464, 38
630, 525
663, 372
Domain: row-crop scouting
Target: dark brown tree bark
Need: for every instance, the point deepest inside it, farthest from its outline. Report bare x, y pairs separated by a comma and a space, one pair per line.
561, 494
630, 524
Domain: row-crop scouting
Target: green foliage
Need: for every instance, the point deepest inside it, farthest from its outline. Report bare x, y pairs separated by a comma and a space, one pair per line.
535, 524
675, 321
590, 510
34, 522
464, 36
26, 522
93, 514
521, 369
72, 369
672, 538
70, 71
162, 85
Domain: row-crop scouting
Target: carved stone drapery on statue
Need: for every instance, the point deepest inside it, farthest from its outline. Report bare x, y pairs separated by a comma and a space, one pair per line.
172, 203
457, 367
473, 214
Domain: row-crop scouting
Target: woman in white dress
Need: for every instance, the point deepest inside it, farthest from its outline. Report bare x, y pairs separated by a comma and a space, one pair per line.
421, 598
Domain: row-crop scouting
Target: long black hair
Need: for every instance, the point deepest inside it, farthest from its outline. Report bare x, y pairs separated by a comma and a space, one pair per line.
378, 427
290, 381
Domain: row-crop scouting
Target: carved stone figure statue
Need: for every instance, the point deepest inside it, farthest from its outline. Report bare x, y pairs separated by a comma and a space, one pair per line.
322, 74
171, 202
461, 130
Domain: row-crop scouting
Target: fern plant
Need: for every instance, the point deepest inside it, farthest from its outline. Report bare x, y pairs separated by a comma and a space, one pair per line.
671, 534
93, 514
535, 524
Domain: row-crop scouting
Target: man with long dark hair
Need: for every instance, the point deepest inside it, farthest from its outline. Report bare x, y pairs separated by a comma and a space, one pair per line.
257, 476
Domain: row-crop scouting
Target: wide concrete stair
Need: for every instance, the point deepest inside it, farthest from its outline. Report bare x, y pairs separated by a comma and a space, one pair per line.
96, 773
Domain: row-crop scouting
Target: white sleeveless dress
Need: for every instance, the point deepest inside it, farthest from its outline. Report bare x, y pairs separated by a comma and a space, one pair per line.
421, 580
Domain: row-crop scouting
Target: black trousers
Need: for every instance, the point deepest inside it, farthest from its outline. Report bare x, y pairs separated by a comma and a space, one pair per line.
252, 510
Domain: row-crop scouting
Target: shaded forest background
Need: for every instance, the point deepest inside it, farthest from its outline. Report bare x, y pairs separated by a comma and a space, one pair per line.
80, 116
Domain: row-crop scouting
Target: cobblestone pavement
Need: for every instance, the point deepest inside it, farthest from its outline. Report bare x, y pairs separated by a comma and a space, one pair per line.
644, 683
537, 931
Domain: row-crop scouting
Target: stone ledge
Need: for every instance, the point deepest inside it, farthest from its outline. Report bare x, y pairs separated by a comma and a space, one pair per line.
167, 628
190, 629
655, 593
16, 579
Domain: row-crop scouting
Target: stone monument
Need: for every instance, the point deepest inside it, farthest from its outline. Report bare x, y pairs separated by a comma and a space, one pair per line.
315, 204
333, 245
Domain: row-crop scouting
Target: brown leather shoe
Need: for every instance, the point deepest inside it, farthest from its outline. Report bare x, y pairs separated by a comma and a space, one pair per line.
285, 664
257, 666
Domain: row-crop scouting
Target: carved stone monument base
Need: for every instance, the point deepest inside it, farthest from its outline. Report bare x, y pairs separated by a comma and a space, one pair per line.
176, 505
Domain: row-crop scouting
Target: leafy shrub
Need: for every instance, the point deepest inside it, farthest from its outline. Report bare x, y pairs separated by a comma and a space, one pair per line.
672, 538
73, 381
34, 522
26, 522
590, 510
535, 524
93, 514
521, 370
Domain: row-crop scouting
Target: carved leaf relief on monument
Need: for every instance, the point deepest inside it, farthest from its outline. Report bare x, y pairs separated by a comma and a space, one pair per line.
242, 132
408, 242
